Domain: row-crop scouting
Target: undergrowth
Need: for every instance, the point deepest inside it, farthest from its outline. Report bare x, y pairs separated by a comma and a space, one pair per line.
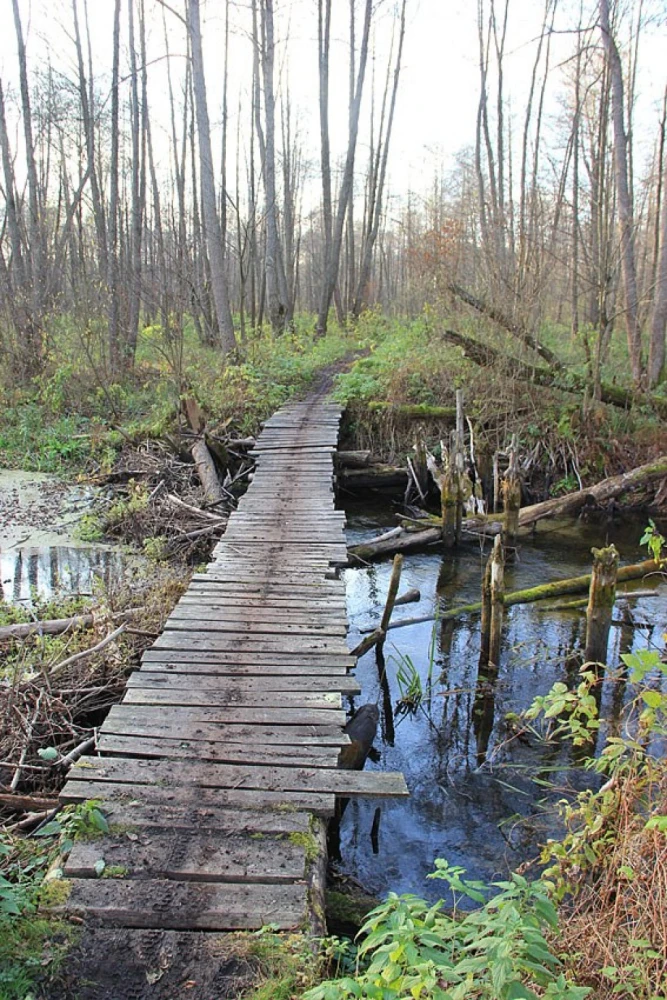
75, 414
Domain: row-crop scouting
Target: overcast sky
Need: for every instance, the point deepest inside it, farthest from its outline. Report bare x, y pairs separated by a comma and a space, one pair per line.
440, 78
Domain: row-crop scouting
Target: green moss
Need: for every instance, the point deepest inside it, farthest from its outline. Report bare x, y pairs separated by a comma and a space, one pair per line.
115, 871
54, 893
309, 844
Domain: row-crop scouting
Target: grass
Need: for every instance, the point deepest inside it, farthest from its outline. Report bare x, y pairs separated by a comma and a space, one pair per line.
75, 416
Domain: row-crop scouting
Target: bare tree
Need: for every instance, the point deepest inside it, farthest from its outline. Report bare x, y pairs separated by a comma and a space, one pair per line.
214, 241
625, 208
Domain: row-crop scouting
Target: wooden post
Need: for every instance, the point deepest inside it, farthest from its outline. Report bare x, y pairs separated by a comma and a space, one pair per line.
601, 597
486, 617
394, 581
511, 490
420, 464
497, 601
448, 499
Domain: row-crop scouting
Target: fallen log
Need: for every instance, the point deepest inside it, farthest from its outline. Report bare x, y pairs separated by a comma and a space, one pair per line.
566, 506
572, 585
353, 459
373, 477
206, 471
197, 511
27, 803
404, 542
414, 411
512, 326
54, 626
605, 490
554, 378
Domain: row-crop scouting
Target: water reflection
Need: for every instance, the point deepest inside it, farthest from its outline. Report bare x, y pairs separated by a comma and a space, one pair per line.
45, 572
477, 796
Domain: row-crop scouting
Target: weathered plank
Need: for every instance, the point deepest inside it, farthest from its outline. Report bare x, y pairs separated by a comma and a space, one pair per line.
169, 904
199, 857
229, 798
227, 753
230, 698
231, 776
257, 684
127, 817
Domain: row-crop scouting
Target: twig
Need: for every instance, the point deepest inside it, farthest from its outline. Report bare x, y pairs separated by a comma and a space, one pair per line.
72, 757
26, 746
194, 510
87, 652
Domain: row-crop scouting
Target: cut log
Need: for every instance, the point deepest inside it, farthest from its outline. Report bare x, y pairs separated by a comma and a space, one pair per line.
373, 477
206, 471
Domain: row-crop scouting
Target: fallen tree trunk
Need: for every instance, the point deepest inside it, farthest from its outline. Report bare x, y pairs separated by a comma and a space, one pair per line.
52, 627
498, 316
573, 585
27, 803
373, 477
608, 489
206, 471
488, 357
414, 411
353, 459
566, 506
405, 542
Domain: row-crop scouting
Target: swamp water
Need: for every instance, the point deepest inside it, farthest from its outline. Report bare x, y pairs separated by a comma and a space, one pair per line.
476, 799
40, 556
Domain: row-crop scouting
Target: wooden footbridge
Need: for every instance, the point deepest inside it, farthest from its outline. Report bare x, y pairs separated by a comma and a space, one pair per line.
218, 769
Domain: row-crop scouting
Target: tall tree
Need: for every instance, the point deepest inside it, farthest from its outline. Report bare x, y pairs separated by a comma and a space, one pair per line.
332, 256
625, 207
214, 242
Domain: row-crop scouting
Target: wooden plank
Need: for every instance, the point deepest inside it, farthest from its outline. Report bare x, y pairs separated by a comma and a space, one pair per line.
263, 716
203, 625
232, 776
227, 753
177, 639
230, 698
128, 817
313, 663
199, 857
199, 723
257, 684
169, 904
127, 792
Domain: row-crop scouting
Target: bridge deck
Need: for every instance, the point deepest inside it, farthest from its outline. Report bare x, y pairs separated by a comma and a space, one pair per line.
221, 759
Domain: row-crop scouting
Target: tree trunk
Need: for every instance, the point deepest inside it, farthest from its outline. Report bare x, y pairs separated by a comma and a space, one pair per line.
209, 202
625, 212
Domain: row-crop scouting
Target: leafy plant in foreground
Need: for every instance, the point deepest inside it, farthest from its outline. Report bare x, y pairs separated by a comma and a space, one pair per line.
411, 949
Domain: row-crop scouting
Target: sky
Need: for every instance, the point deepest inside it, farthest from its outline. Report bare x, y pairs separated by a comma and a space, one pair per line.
439, 87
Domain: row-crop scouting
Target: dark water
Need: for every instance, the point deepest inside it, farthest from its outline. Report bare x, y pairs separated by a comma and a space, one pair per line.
477, 799
48, 571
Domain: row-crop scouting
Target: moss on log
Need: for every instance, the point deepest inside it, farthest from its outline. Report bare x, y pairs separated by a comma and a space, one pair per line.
557, 588
414, 411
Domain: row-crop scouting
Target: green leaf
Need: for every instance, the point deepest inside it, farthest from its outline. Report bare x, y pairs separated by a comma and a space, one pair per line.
652, 698
100, 865
48, 754
50, 830
517, 991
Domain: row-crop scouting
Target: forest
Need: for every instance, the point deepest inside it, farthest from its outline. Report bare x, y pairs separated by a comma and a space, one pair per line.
453, 220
